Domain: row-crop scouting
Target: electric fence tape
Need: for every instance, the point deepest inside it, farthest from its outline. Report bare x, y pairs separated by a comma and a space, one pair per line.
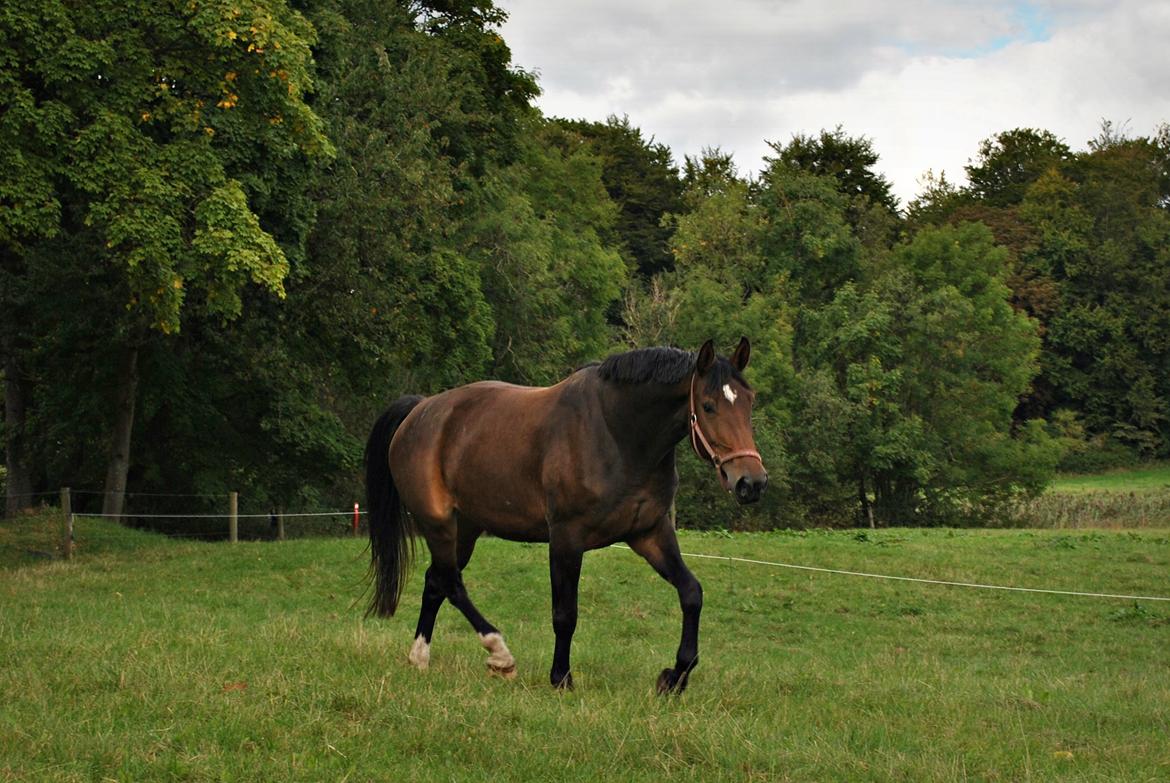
920, 580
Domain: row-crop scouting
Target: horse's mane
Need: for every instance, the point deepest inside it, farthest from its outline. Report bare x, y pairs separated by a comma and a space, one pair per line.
665, 365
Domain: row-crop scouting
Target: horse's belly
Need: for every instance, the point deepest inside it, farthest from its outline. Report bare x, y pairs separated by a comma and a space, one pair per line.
504, 516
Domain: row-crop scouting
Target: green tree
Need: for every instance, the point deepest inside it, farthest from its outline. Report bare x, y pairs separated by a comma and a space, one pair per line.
548, 271
807, 234
1111, 338
642, 179
431, 263
166, 116
33, 129
385, 299
916, 379
850, 160
710, 172
1010, 161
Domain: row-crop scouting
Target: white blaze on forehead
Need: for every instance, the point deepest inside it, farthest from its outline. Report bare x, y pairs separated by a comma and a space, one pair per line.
729, 393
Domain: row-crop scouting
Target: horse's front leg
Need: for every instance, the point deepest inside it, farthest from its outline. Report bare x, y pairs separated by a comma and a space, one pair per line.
564, 565
660, 548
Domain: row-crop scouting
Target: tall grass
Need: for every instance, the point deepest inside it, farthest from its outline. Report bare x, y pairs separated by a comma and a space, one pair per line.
1097, 509
1135, 497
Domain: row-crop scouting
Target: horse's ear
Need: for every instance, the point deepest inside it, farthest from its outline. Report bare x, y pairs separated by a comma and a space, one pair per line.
742, 353
706, 358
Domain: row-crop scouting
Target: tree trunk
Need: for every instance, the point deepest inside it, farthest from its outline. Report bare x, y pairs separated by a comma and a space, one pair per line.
866, 508
19, 492
119, 464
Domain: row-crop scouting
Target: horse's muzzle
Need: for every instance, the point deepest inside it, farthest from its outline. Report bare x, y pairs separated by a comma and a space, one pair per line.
749, 488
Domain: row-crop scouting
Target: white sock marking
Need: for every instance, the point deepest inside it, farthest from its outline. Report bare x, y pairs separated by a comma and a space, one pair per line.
420, 653
729, 393
500, 657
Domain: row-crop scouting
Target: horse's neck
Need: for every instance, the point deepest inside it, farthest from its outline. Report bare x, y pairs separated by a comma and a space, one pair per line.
647, 420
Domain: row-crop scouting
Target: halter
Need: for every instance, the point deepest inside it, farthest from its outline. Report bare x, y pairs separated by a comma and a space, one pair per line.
697, 437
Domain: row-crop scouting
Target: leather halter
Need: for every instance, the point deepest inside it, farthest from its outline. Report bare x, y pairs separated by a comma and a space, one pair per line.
698, 437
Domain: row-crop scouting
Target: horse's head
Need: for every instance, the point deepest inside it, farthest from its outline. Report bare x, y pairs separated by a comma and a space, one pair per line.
721, 421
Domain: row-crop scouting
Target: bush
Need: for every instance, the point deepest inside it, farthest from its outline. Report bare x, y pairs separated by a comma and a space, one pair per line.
1097, 454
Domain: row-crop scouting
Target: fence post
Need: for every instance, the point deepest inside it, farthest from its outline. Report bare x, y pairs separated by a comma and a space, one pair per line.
280, 523
234, 518
67, 524
355, 519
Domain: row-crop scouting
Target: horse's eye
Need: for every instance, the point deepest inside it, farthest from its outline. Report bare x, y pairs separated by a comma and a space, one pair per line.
708, 407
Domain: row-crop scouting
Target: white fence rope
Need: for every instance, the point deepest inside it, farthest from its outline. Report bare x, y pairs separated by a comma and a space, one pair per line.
918, 579
219, 516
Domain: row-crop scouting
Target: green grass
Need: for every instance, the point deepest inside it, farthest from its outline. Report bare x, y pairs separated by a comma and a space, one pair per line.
37, 536
164, 660
1148, 478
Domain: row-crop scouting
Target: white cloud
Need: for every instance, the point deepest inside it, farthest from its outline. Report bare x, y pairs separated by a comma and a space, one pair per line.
925, 80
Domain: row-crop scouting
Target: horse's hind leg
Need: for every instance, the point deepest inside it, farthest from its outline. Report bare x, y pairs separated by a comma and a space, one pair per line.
500, 661
660, 548
449, 555
433, 596
432, 599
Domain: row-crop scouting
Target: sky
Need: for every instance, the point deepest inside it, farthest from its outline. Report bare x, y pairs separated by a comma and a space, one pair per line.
924, 80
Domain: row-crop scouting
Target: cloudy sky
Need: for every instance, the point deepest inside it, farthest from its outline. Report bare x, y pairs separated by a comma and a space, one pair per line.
926, 80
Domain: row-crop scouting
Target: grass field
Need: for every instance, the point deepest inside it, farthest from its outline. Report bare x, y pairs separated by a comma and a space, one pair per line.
150, 659
1148, 478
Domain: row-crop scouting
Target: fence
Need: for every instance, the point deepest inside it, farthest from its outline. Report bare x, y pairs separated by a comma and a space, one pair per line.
274, 524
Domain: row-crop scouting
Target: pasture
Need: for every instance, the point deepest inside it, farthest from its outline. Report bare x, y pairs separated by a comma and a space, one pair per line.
151, 659
1147, 478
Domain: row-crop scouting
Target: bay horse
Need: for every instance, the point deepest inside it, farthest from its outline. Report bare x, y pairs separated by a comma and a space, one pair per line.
580, 465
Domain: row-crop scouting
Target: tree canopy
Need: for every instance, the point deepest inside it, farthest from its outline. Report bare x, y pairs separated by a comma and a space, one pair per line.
232, 231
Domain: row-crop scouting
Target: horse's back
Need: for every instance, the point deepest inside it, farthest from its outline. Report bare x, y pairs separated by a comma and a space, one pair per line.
477, 451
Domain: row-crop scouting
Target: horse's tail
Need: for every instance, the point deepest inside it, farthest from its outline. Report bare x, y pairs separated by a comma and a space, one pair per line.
391, 536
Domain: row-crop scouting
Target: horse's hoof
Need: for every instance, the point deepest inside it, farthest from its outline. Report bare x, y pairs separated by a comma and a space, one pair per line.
670, 682
565, 683
507, 672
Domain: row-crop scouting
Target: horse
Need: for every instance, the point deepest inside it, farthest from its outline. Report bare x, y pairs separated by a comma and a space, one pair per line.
580, 465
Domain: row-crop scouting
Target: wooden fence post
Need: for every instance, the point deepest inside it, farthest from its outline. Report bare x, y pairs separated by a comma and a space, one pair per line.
234, 518
67, 524
280, 523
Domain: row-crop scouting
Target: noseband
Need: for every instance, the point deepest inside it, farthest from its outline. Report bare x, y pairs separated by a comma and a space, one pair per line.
698, 437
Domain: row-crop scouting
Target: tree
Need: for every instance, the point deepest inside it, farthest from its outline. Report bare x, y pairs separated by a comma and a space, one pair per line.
429, 264
1111, 338
33, 128
168, 118
643, 180
916, 379
850, 160
707, 174
1012, 160
807, 233
385, 298
549, 273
